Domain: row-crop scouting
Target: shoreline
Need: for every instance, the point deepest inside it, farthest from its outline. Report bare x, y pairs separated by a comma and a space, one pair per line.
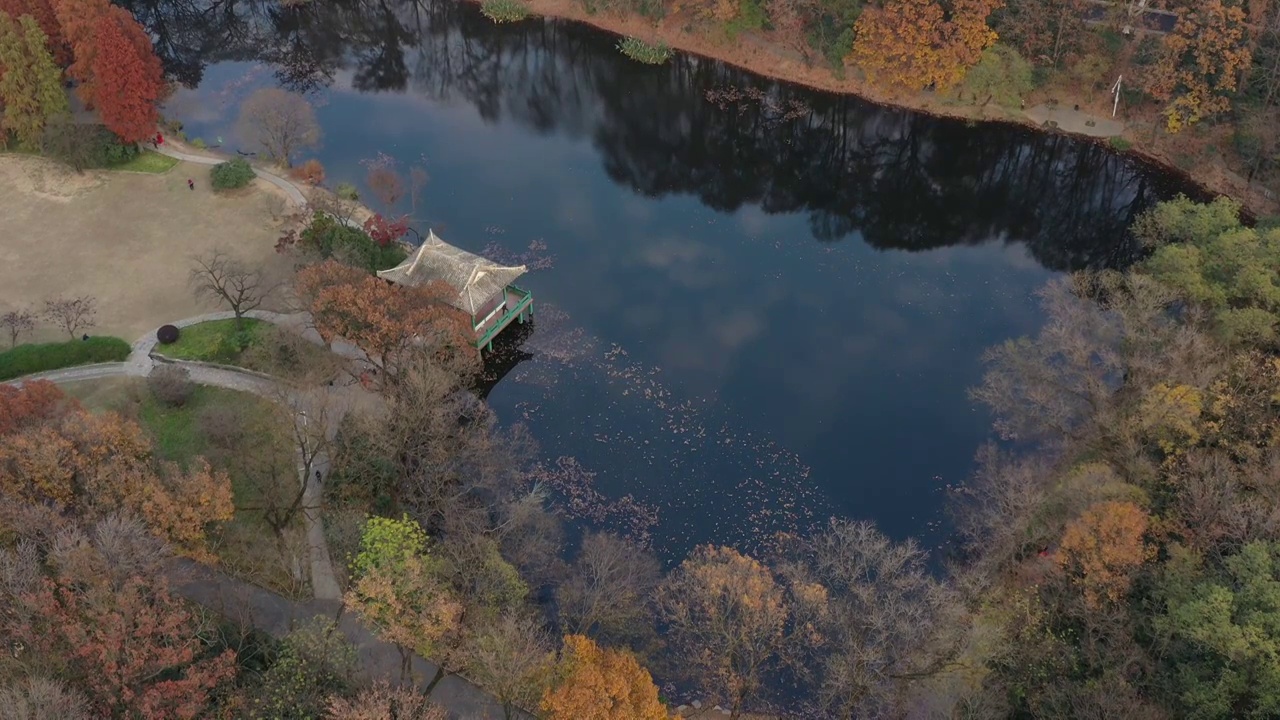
761, 55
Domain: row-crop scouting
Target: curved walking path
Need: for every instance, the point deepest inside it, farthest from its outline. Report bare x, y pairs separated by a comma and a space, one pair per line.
295, 195
258, 607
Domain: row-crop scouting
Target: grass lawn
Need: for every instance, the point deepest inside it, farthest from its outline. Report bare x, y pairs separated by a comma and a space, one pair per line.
148, 162
176, 430
212, 341
246, 546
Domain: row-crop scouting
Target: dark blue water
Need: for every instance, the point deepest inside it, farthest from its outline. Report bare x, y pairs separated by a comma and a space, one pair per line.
760, 306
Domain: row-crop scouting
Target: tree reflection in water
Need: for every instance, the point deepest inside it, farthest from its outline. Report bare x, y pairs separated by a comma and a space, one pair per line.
693, 126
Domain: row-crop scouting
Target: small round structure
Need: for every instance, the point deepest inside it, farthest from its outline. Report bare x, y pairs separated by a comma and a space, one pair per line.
167, 334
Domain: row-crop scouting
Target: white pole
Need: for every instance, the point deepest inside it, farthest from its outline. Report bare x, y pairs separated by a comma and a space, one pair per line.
1116, 90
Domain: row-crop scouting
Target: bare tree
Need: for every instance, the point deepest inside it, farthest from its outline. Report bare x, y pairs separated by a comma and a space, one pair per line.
303, 426
279, 122
37, 698
384, 700
18, 322
1107, 339
880, 620
217, 276
449, 473
608, 587
72, 314
512, 658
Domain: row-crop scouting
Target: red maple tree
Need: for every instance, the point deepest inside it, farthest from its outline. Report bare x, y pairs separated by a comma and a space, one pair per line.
384, 231
77, 20
31, 404
132, 646
127, 78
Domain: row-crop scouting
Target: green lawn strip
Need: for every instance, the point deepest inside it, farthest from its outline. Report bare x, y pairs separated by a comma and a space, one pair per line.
212, 341
147, 162
34, 358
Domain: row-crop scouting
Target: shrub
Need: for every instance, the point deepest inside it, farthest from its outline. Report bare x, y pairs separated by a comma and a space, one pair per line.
86, 146
1001, 75
28, 359
234, 173
310, 172
168, 334
504, 11
641, 51
171, 385
1119, 143
327, 237
222, 425
347, 191
198, 143
751, 17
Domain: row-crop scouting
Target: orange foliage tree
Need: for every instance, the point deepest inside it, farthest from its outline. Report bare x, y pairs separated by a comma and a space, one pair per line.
32, 404
913, 44
727, 615
1201, 63
131, 645
1102, 548
78, 20
601, 684
97, 464
127, 78
385, 320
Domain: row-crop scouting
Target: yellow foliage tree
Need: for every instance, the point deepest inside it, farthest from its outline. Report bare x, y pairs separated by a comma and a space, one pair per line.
1102, 548
1202, 60
601, 684
912, 44
1171, 415
727, 616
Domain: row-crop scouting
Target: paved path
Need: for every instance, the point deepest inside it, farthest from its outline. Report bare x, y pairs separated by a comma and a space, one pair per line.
244, 602
295, 195
324, 584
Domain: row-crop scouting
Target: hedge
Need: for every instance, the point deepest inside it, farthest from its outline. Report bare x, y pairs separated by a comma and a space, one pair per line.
28, 359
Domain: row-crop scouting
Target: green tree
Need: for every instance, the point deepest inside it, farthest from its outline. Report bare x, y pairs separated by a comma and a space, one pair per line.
314, 662
30, 83
1224, 633
1001, 75
1211, 259
399, 589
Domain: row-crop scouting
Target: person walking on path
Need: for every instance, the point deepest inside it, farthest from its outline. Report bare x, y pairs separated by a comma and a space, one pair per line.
191, 184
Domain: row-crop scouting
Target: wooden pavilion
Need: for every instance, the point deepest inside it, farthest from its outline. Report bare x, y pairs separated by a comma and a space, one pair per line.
485, 290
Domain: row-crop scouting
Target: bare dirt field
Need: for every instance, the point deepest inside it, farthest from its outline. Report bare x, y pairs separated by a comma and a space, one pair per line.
125, 238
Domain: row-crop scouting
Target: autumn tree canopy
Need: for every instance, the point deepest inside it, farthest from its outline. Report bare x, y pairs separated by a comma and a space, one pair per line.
385, 320
727, 616
31, 90
601, 684
915, 44
93, 465
127, 79
102, 611
1201, 63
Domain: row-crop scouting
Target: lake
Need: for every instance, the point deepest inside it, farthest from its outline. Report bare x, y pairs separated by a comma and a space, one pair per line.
757, 306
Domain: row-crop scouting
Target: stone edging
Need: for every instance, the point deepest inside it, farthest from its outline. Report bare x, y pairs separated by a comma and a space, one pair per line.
159, 357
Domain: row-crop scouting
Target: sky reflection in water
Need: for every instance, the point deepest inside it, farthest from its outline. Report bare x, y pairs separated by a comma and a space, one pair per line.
696, 344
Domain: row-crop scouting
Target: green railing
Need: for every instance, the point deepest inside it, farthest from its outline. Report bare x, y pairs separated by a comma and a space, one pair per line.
512, 312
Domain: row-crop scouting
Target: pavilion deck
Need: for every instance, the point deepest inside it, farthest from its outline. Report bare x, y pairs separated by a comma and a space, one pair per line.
517, 302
